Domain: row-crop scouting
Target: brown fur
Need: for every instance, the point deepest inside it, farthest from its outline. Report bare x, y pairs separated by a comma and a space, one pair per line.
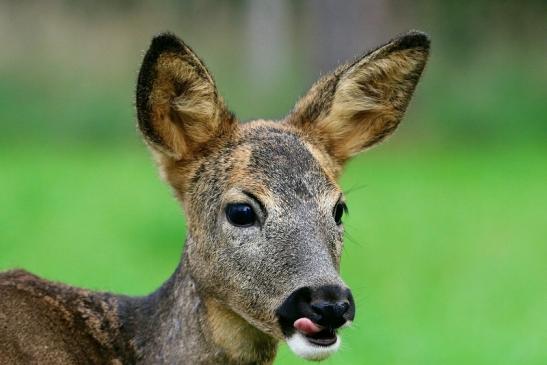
361, 103
48, 323
219, 306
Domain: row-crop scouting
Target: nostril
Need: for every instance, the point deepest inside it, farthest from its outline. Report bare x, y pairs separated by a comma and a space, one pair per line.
320, 308
330, 314
336, 309
341, 307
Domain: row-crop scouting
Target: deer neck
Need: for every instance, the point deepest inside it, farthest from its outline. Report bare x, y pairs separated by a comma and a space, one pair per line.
178, 324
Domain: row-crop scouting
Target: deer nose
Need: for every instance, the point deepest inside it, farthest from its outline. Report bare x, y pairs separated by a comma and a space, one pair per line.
329, 306
331, 314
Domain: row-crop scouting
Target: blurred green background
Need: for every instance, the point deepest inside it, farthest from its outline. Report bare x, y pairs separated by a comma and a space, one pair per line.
446, 248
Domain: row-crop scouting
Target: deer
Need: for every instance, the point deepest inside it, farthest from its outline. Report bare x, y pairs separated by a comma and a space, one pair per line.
264, 212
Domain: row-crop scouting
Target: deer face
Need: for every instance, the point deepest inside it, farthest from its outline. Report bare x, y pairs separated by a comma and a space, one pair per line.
264, 211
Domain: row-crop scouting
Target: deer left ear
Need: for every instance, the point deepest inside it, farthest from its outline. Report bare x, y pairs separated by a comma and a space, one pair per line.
178, 107
361, 103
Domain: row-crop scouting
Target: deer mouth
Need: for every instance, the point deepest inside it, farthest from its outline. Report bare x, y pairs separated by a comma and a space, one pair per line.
314, 333
326, 337
312, 341
309, 319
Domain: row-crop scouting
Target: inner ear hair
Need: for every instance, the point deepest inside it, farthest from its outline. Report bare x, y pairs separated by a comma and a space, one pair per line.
178, 105
362, 102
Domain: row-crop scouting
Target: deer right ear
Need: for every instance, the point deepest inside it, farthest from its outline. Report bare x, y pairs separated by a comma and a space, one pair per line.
178, 105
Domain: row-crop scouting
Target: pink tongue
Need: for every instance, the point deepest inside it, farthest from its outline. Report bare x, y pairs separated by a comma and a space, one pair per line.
306, 326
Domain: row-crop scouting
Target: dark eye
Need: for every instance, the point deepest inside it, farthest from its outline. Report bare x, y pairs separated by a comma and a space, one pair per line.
339, 211
241, 215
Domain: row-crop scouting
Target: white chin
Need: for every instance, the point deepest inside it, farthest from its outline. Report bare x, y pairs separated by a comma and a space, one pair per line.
300, 345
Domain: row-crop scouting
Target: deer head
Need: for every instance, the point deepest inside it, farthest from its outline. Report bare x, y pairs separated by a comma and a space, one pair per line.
263, 206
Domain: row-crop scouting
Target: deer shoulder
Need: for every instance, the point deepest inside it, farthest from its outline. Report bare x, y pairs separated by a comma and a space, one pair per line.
42, 322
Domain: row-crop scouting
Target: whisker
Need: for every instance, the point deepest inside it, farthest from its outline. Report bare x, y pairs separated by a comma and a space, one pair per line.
355, 188
352, 239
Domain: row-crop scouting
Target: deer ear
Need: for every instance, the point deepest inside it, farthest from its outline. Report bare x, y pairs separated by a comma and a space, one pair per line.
361, 103
178, 106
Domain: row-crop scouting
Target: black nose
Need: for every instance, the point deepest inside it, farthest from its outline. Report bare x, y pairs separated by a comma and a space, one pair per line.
331, 314
330, 306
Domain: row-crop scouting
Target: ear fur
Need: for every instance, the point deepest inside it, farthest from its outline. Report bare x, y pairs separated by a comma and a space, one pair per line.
361, 103
178, 106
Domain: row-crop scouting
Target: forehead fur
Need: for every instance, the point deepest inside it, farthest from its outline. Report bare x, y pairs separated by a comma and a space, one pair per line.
272, 160
280, 159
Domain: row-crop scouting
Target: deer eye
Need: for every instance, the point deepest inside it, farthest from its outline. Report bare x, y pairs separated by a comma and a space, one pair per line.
339, 211
240, 215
